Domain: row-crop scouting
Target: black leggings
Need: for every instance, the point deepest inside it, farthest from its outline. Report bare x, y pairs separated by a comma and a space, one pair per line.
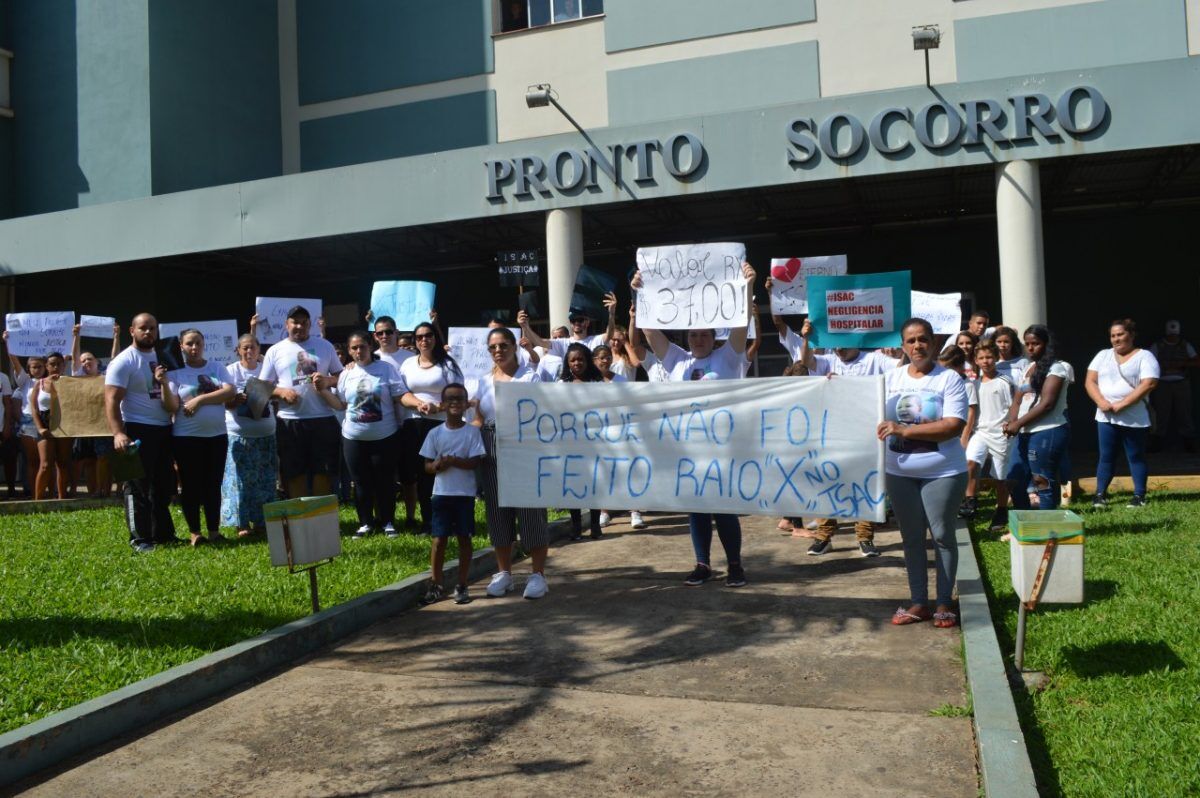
413, 436
201, 463
372, 466
577, 522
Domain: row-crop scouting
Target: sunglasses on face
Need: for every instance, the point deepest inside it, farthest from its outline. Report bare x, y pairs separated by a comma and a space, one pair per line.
385, 332
499, 347
424, 337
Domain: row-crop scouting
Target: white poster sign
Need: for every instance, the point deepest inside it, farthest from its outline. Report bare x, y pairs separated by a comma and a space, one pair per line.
783, 446
96, 326
943, 311
40, 334
468, 346
220, 337
692, 285
860, 310
789, 280
272, 316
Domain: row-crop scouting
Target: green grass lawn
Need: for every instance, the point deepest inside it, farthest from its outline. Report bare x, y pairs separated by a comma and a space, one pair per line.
81, 614
1121, 714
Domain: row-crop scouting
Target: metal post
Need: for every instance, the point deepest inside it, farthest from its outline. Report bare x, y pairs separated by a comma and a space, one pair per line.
312, 587
927, 83
1019, 659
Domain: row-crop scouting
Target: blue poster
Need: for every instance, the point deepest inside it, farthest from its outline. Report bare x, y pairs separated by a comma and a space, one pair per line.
406, 301
862, 311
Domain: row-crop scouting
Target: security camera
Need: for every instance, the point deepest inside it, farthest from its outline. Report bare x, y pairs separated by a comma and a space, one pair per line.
926, 37
538, 96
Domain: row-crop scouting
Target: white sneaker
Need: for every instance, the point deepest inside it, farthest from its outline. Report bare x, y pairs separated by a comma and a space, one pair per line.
605, 518
390, 531
636, 521
501, 583
535, 588
362, 531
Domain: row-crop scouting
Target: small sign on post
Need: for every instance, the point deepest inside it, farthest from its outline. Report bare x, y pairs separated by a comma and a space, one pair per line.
302, 534
518, 268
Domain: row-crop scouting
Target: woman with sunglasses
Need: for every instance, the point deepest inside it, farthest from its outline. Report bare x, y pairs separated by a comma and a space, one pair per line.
505, 524
426, 375
387, 338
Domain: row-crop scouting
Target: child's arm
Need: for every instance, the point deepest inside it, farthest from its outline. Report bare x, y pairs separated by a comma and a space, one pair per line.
972, 419
467, 463
433, 466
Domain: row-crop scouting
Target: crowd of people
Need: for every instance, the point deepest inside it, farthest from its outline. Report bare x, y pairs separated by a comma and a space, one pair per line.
390, 413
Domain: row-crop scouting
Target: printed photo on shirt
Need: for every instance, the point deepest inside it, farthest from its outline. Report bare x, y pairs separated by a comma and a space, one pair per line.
155, 391
365, 405
306, 365
918, 407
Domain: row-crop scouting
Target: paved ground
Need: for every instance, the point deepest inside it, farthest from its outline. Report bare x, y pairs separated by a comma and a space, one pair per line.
622, 681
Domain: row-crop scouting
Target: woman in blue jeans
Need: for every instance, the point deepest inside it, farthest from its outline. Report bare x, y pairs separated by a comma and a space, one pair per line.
1038, 420
1119, 381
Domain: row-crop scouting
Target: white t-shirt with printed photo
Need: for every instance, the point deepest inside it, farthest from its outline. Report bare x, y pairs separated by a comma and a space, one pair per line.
1118, 380
723, 363
189, 382
290, 365
370, 393
920, 400
238, 420
396, 360
133, 370
463, 442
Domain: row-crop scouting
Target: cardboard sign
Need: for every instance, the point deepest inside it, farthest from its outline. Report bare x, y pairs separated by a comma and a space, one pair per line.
789, 280
220, 338
775, 446
39, 334
690, 286
943, 311
272, 317
861, 310
409, 302
78, 409
96, 326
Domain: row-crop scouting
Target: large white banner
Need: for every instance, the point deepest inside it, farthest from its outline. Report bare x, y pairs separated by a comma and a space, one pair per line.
220, 337
943, 311
687, 286
39, 334
468, 346
791, 446
789, 280
272, 317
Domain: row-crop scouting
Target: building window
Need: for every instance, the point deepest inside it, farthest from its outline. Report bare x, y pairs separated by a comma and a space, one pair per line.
521, 14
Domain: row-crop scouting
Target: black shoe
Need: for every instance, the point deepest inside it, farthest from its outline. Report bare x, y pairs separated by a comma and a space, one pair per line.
999, 520
434, 594
1137, 501
736, 576
699, 575
1099, 500
596, 534
461, 596
820, 547
865, 547
576, 534
968, 508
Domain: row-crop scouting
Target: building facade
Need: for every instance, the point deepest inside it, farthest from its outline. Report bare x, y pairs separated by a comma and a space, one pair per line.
186, 155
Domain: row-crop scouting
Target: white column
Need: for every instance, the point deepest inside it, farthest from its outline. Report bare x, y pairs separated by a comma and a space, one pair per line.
1019, 234
564, 256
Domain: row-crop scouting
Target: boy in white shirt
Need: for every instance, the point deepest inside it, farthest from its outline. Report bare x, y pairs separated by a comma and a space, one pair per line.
995, 399
452, 452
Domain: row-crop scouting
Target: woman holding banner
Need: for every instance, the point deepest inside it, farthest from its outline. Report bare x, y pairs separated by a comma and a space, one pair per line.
579, 368
23, 381
252, 460
90, 455
926, 411
425, 375
506, 523
702, 361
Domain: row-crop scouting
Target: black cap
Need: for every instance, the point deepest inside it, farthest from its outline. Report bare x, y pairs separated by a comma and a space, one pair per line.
576, 313
298, 312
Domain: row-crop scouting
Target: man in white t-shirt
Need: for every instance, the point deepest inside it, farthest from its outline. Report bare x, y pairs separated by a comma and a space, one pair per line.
842, 362
307, 434
703, 360
133, 386
557, 346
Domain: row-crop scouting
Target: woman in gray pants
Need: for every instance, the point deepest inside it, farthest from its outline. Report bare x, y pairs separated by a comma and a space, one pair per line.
926, 468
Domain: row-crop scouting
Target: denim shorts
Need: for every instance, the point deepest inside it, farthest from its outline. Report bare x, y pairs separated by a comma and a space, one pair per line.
453, 515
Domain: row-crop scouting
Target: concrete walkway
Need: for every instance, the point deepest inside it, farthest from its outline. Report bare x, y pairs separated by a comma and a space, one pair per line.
622, 680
